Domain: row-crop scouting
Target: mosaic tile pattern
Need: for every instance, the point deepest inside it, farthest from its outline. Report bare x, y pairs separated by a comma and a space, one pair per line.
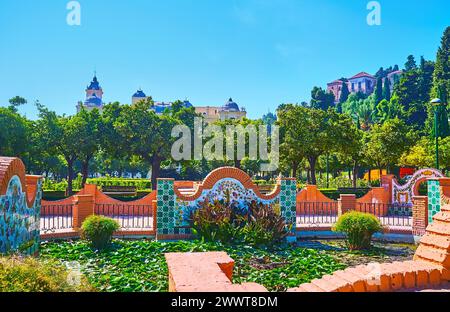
288, 196
19, 224
173, 213
166, 207
434, 199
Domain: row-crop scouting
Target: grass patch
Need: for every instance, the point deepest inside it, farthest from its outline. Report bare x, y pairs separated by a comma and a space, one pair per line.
138, 266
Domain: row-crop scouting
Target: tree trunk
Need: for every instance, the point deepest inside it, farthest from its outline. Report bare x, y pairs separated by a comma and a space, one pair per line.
69, 190
294, 169
355, 174
308, 175
370, 176
156, 166
312, 164
237, 164
85, 171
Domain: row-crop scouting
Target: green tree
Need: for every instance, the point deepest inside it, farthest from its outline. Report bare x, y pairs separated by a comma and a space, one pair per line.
308, 133
387, 89
146, 134
387, 142
17, 101
344, 92
410, 63
320, 99
379, 91
88, 125
441, 82
61, 135
14, 133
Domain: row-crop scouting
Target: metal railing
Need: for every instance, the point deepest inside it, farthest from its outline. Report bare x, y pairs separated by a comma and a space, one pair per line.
317, 213
389, 214
128, 216
56, 217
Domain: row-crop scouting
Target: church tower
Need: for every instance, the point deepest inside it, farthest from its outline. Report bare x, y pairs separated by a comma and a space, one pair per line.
94, 96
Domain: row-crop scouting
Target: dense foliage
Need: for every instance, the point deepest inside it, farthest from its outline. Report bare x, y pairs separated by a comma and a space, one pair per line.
140, 265
353, 133
225, 221
32, 275
359, 228
98, 230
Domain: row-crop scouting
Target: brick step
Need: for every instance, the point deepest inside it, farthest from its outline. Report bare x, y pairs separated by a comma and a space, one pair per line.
439, 227
439, 241
433, 254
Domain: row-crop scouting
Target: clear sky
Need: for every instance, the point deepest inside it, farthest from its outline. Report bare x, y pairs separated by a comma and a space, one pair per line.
260, 52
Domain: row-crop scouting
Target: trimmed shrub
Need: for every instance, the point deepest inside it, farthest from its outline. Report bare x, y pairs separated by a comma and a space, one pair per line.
32, 275
359, 228
99, 230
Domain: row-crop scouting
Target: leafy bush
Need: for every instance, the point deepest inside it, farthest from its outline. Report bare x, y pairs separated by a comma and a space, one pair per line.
139, 184
99, 230
257, 224
359, 228
32, 275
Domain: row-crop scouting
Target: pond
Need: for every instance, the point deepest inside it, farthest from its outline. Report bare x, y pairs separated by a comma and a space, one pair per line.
139, 265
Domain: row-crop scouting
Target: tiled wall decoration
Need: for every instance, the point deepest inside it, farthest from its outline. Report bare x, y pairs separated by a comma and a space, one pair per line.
434, 199
19, 224
173, 212
288, 202
166, 207
403, 194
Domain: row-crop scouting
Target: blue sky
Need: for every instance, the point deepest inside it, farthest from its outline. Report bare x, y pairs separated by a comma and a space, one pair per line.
260, 52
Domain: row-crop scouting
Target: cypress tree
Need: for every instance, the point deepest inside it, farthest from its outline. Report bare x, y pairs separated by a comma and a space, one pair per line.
379, 91
387, 89
344, 92
441, 82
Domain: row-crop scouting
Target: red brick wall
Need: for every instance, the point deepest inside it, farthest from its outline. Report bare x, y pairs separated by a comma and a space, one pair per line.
420, 215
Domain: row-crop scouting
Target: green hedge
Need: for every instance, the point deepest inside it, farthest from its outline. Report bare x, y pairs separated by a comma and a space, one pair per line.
335, 194
140, 184
58, 195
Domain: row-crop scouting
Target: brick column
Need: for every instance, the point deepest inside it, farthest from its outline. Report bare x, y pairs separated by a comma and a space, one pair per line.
386, 183
445, 186
346, 203
83, 207
420, 215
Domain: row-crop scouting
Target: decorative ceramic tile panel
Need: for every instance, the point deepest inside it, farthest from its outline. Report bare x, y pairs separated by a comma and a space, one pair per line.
19, 224
174, 214
434, 199
166, 207
288, 203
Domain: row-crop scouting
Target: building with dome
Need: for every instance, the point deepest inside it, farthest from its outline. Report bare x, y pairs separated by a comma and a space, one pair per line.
158, 107
94, 96
230, 110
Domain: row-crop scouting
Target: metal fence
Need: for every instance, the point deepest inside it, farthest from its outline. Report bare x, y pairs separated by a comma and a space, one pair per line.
56, 217
391, 215
317, 213
129, 217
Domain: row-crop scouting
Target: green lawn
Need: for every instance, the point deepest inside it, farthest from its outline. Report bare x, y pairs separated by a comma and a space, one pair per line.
140, 265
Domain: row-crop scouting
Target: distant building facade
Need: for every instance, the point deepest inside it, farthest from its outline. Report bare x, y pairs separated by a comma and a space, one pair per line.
94, 99
158, 107
363, 82
228, 111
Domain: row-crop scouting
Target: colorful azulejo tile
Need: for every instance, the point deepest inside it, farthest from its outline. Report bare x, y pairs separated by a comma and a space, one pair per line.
434, 199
